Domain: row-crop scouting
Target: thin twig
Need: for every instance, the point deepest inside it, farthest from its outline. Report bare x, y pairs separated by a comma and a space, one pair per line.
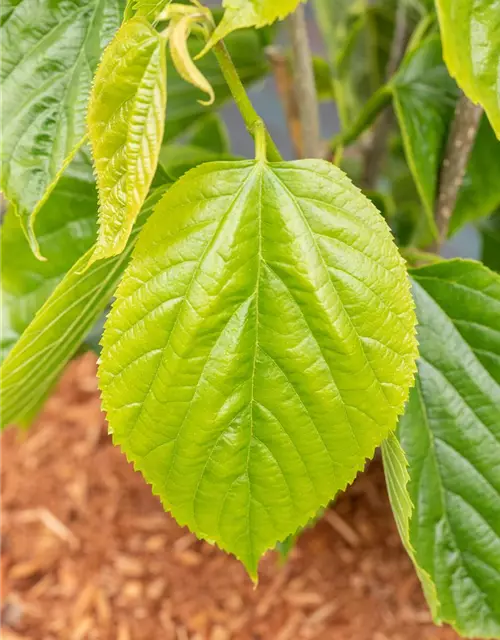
280, 65
376, 152
304, 85
458, 148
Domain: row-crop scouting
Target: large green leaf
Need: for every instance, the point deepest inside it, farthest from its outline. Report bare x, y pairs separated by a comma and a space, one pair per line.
451, 435
470, 30
479, 194
50, 51
250, 13
248, 53
66, 229
260, 347
424, 99
126, 120
60, 326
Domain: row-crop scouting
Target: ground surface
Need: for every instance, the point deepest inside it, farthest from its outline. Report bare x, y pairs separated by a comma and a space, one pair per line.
89, 554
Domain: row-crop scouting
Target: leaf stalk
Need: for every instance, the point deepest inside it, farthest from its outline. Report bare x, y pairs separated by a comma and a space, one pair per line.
250, 117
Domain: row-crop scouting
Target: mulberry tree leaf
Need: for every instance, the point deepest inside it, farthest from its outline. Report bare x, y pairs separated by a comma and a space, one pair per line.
50, 51
470, 30
424, 100
53, 337
126, 120
250, 13
65, 228
261, 346
451, 435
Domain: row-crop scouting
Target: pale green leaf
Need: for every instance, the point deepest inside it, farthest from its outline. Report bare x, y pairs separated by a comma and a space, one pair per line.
65, 228
424, 99
50, 51
261, 346
126, 120
37, 360
146, 8
184, 110
250, 13
479, 193
451, 436
470, 30
397, 478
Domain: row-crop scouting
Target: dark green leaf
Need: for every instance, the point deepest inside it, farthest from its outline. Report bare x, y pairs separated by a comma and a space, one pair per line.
211, 134
479, 194
451, 435
424, 100
176, 159
490, 232
50, 51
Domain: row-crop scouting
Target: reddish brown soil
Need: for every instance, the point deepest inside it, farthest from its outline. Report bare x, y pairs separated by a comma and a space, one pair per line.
88, 552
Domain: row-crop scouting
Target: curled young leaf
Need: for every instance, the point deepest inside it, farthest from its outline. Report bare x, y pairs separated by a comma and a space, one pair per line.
261, 346
178, 37
125, 121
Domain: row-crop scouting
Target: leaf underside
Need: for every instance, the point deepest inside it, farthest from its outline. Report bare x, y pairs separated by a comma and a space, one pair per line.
260, 347
66, 230
38, 358
126, 120
451, 435
50, 51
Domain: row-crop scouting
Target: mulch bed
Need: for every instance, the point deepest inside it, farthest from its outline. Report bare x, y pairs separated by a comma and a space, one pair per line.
88, 552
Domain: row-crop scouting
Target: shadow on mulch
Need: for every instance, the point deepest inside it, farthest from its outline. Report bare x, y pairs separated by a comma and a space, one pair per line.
88, 552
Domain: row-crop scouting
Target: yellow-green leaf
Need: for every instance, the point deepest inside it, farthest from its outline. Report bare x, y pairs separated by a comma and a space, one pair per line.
250, 13
260, 347
470, 30
126, 120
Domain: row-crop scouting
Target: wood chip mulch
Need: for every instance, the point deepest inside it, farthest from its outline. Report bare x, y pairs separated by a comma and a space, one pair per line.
88, 553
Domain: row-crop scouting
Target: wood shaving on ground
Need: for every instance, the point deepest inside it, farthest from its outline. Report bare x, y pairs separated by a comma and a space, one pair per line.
89, 554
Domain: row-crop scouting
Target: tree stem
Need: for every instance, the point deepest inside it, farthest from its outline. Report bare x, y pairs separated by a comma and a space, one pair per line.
458, 148
250, 117
304, 84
